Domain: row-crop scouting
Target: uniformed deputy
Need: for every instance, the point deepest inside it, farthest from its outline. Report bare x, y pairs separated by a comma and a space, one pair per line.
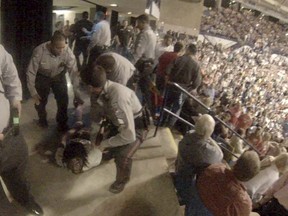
121, 106
124, 38
48, 65
13, 149
145, 43
118, 69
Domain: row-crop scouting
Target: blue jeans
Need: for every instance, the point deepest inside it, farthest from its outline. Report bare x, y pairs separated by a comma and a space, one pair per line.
185, 185
175, 101
195, 206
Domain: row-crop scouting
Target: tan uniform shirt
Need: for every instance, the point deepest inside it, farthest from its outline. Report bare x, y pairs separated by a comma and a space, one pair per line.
121, 106
123, 70
145, 44
10, 86
46, 64
101, 35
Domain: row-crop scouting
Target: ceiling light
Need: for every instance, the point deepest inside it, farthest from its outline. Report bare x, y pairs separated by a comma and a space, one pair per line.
113, 5
129, 13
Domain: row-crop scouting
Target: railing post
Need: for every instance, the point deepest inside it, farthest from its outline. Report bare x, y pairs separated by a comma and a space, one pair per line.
161, 110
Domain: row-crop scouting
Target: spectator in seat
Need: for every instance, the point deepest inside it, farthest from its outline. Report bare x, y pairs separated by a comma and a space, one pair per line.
221, 190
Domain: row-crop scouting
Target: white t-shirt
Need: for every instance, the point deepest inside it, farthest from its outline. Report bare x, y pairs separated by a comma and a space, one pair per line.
260, 183
94, 159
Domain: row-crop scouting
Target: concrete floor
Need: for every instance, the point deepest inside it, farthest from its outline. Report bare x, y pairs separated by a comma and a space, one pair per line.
150, 191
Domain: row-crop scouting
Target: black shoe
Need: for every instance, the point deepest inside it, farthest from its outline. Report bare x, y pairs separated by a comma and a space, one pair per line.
117, 187
33, 208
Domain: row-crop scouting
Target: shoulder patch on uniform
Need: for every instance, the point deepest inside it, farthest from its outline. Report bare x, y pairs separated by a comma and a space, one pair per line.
120, 115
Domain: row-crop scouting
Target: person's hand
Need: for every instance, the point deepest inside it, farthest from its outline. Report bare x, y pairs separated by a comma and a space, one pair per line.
99, 139
101, 148
84, 30
36, 99
59, 156
17, 104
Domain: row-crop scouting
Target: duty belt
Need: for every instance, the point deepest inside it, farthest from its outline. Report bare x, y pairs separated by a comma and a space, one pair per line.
49, 76
138, 114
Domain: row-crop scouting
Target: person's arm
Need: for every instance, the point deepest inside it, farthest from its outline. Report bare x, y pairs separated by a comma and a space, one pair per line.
71, 64
90, 33
10, 80
32, 72
126, 129
170, 67
72, 69
218, 151
197, 78
96, 117
95, 36
140, 47
157, 51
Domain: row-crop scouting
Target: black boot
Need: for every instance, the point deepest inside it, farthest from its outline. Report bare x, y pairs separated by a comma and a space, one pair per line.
123, 166
33, 208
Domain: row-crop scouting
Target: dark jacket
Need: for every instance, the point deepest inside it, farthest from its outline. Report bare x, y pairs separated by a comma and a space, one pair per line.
186, 72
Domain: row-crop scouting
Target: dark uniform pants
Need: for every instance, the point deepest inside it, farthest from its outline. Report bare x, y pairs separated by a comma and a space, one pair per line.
81, 46
174, 102
58, 85
144, 86
123, 154
13, 161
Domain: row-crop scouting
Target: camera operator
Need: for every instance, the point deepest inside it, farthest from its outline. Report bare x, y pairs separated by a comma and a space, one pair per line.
13, 149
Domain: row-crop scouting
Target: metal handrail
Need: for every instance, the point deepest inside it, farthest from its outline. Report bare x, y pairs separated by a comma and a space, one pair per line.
205, 107
192, 126
211, 113
178, 117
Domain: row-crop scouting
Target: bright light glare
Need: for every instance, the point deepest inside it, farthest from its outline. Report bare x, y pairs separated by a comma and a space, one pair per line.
62, 11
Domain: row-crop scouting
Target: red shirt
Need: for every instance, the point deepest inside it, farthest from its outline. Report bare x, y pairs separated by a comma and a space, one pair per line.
244, 121
222, 193
164, 60
259, 144
235, 114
